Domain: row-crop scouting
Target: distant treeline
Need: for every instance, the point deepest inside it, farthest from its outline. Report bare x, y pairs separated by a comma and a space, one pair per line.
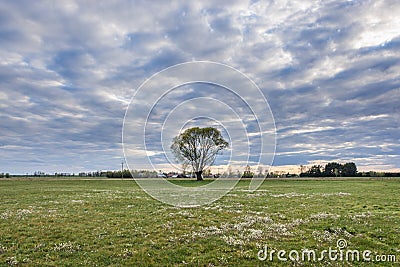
107, 174
378, 174
131, 174
334, 169
123, 174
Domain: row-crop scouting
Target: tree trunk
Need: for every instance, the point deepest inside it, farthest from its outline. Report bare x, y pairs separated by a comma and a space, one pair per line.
199, 176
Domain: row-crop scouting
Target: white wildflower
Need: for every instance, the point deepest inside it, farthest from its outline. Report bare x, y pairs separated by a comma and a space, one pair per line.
67, 247
3, 249
230, 240
12, 261
323, 215
77, 201
254, 233
288, 195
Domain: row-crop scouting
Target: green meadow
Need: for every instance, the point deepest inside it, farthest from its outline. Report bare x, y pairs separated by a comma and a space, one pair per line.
99, 222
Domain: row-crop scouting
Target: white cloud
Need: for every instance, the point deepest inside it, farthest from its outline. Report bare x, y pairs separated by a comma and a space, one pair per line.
329, 70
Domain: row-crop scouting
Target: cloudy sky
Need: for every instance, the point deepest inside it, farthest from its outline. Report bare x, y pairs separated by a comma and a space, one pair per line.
68, 70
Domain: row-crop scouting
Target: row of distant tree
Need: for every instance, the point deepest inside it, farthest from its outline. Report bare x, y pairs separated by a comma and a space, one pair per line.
332, 169
131, 174
122, 174
378, 174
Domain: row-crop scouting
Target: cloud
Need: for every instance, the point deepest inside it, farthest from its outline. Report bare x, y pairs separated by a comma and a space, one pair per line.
329, 70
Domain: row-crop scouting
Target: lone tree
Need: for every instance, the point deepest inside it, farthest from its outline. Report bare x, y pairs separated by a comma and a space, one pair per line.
198, 147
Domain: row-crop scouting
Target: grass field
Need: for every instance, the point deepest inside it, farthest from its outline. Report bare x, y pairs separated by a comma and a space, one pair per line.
53, 222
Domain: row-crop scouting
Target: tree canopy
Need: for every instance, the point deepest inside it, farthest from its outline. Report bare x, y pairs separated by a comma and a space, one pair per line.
332, 169
198, 147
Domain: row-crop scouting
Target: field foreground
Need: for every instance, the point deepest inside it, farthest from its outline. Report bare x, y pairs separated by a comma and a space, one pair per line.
113, 222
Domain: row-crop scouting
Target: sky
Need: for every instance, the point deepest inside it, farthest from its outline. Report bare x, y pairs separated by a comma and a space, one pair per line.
329, 71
